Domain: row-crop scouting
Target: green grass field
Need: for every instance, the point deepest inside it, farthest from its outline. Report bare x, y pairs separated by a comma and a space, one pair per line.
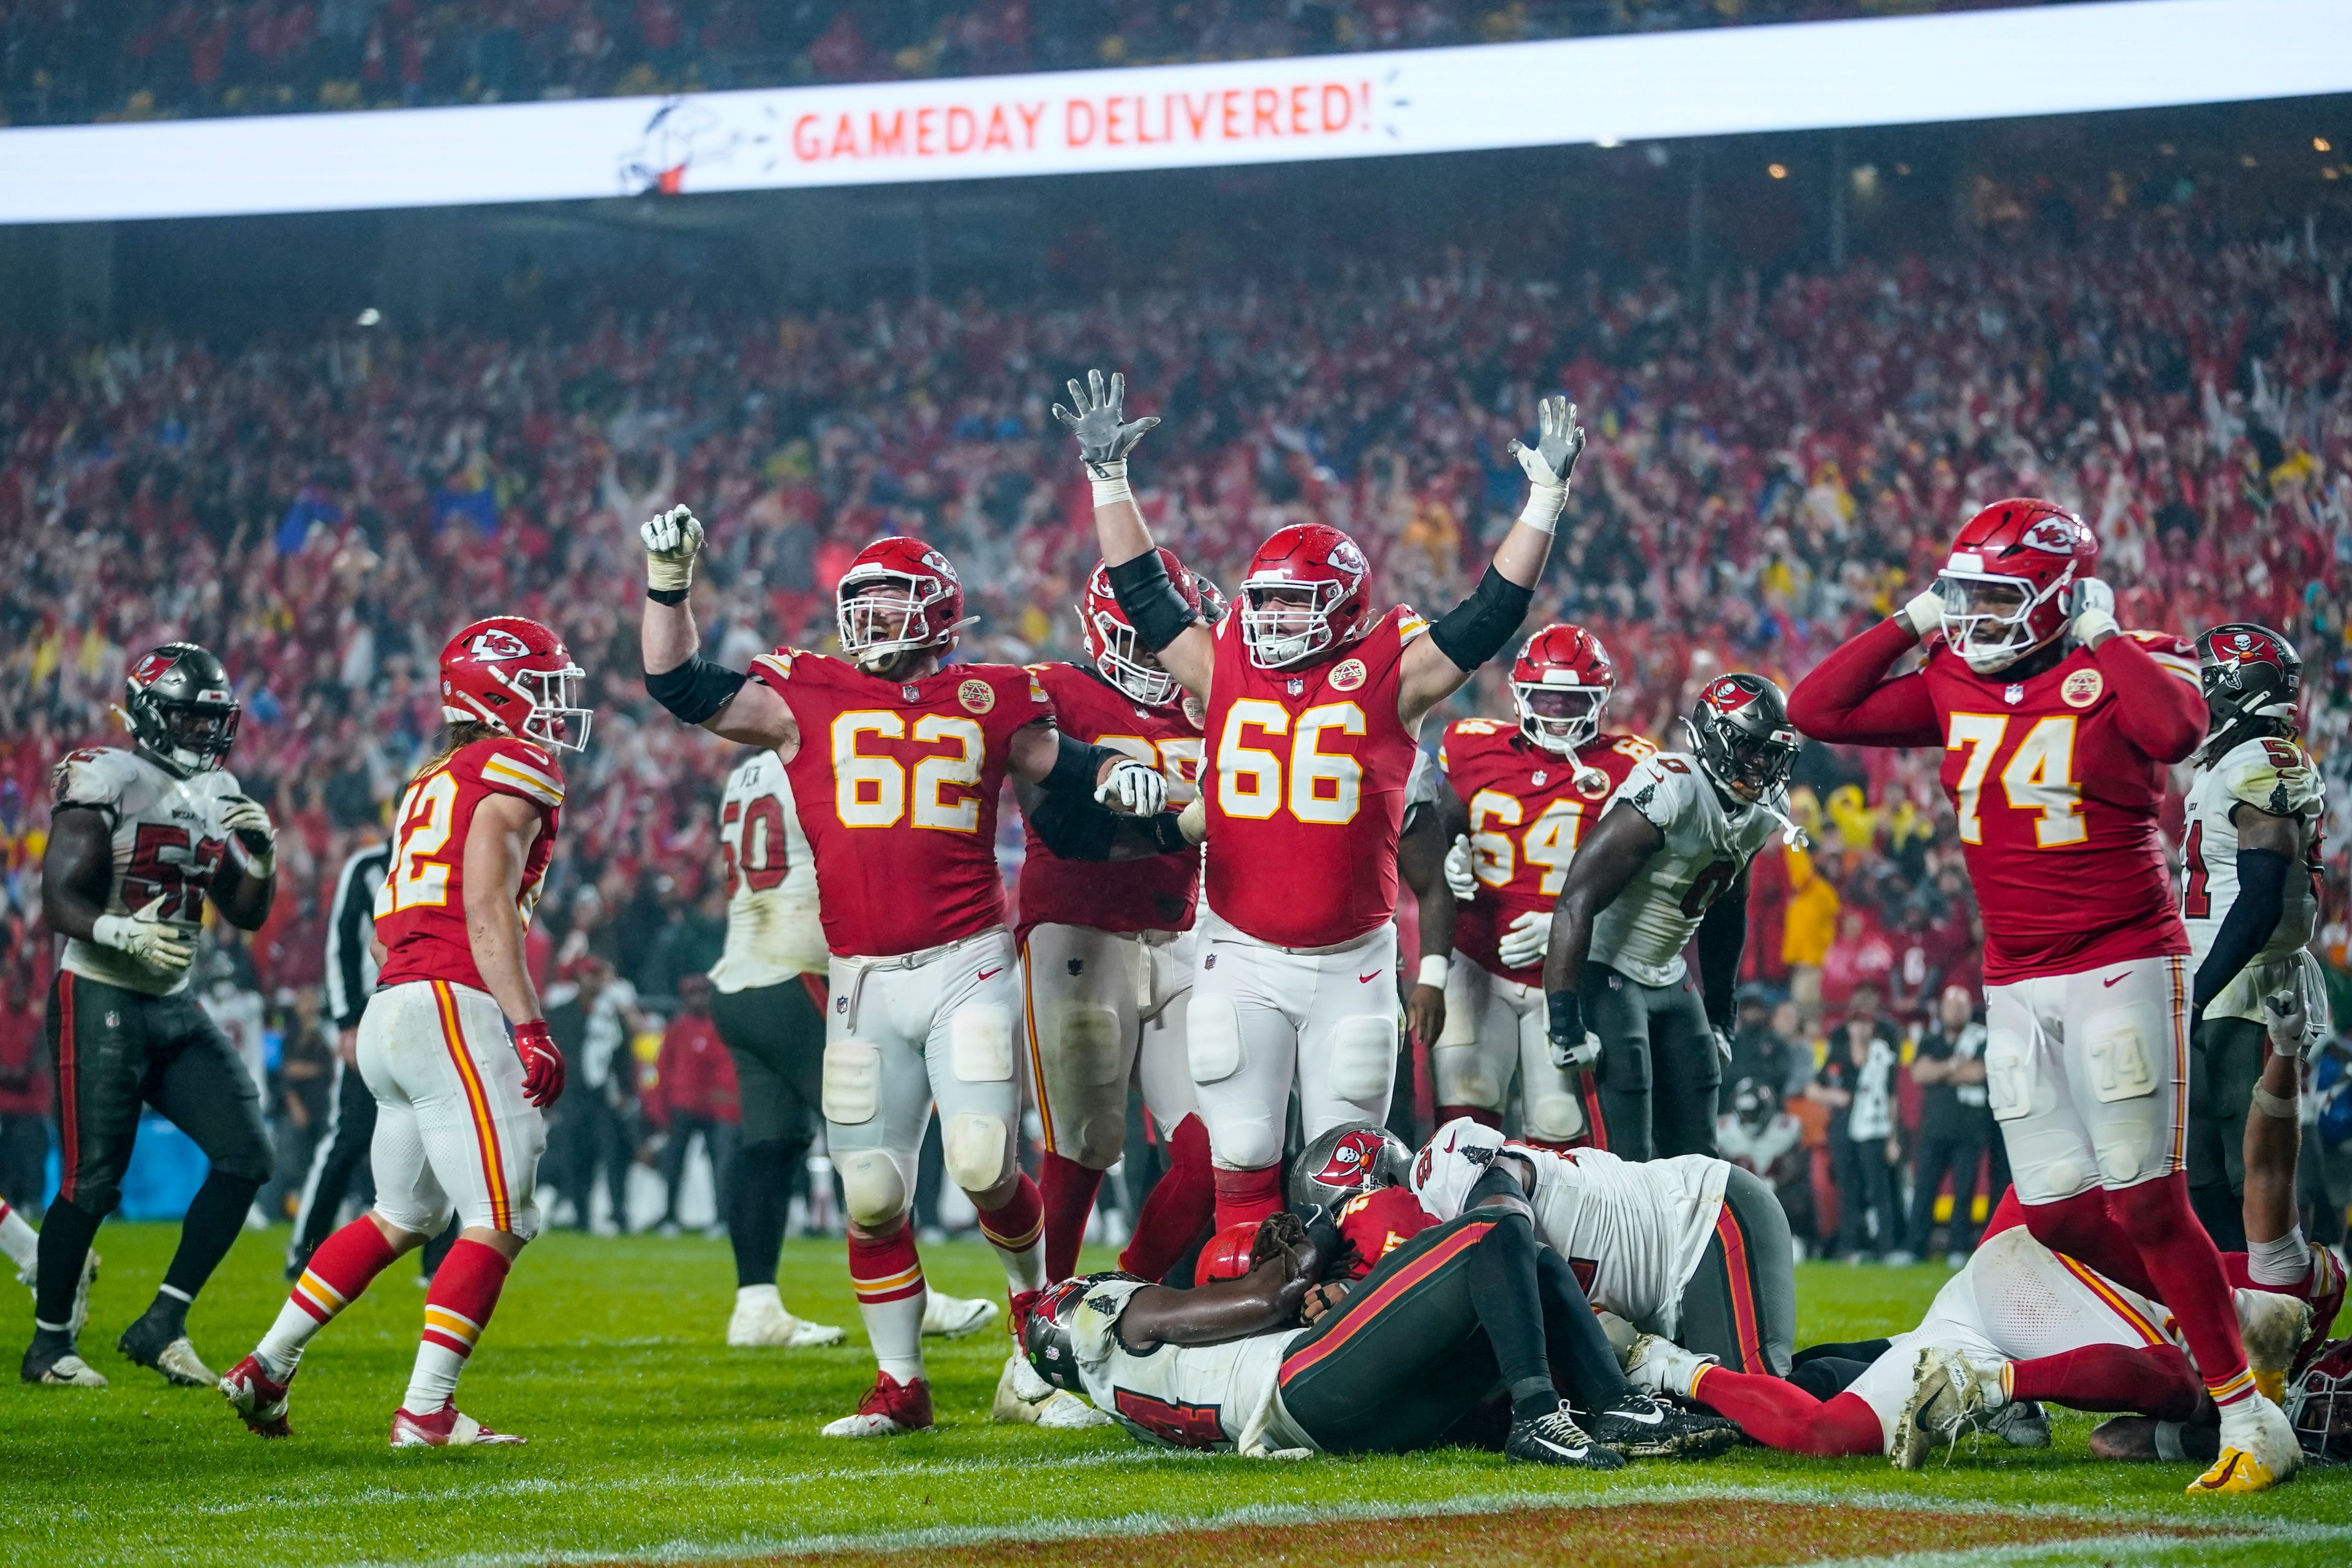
652, 1441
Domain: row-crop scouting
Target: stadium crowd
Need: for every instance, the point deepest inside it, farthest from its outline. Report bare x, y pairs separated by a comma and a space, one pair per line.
1772, 469
66, 60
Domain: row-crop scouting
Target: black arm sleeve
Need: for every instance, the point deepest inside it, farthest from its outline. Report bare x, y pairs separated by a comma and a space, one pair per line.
2254, 914
1076, 765
1479, 628
695, 689
1721, 934
1151, 602
1073, 826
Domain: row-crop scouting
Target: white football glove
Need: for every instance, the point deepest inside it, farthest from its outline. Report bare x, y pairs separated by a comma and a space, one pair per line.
153, 941
1460, 875
672, 542
1193, 821
2284, 1016
1722, 1043
1577, 1058
1924, 613
2092, 605
1550, 462
246, 819
1137, 788
1526, 941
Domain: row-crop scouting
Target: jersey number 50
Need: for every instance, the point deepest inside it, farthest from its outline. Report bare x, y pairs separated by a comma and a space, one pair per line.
1325, 788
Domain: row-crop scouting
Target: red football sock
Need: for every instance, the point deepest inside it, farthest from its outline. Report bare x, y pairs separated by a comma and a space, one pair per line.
1247, 1194
1068, 1190
456, 1309
2180, 1257
346, 1263
887, 1276
1492, 1118
1177, 1215
2083, 1229
1016, 1229
2156, 1379
1781, 1415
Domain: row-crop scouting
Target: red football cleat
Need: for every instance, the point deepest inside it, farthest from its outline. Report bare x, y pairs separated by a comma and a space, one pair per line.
889, 1408
259, 1399
447, 1427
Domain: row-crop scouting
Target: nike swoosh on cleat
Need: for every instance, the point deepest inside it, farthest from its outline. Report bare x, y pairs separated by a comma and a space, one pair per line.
990, 973
1654, 1418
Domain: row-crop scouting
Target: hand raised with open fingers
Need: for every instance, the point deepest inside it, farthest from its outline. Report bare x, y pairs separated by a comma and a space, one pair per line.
1097, 417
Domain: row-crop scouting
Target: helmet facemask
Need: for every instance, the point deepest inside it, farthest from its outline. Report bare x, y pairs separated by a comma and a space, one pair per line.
556, 719
1988, 619
1749, 766
1126, 665
1561, 718
878, 626
1270, 626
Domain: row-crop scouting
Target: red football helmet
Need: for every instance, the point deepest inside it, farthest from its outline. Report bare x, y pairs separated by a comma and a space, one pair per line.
1561, 682
1228, 1255
1318, 560
516, 675
2005, 585
898, 594
1111, 637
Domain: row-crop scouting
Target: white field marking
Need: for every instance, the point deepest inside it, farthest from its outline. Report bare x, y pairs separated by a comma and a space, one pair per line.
1157, 1523
2135, 1549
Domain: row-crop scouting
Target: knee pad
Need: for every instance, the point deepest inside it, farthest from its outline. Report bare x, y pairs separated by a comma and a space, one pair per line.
1626, 1066
419, 1220
1363, 1057
979, 1043
1212, 1040
873, 1188
2012, 1083
976, 1150
1246, 1142
852, 1091
1555, 1118
1462, 1078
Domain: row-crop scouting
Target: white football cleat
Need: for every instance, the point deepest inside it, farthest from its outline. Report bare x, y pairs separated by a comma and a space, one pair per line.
1025, 1398
447, 1427
1951, 1395
2273, 1327
953, 1317
2021, 1423
68, 1371
2258, 1450
760, 1319
1657, 1365
889, 1409
76, 1319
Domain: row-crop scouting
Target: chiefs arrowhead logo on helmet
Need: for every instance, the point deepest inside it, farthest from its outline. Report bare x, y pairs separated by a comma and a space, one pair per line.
497, 644
2054, 534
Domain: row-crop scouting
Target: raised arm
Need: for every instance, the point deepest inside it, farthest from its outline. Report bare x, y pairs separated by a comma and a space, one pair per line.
1479, 628
1164, 625
724, 701
2160, 705
1602, 868
247, 883
1847, 698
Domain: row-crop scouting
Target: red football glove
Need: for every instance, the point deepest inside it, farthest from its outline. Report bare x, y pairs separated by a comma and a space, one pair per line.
542, 1064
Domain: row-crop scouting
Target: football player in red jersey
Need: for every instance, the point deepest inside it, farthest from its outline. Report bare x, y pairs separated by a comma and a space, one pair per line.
1107, 949
1314, 699
453, 1045
1521, 799
896, 762
2057, 727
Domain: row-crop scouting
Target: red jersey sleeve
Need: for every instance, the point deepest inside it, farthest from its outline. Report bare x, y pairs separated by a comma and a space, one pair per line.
1848, 700
2160, 704
518, 768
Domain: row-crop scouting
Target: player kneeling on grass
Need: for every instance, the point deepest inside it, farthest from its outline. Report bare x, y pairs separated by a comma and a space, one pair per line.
1292, 1357
452, 1043
2021, 1324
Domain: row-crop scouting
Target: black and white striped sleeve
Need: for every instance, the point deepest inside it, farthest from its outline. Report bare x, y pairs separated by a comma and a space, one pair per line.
351, 967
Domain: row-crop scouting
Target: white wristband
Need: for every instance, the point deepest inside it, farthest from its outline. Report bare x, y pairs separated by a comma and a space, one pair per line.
1545, 503
1110, 482
1433, 970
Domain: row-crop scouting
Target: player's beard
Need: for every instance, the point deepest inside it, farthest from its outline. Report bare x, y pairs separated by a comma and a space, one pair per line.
905, 663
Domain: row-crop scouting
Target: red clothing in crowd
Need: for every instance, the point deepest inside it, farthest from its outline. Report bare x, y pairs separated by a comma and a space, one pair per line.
696, 1076
24, 1074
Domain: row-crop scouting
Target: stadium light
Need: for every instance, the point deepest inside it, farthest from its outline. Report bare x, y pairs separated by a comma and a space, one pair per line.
1778, 170
370, 317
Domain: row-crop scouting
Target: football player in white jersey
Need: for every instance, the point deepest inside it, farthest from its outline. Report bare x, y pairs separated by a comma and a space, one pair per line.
1668, 862
138, 841
2250, 865
1691, 1247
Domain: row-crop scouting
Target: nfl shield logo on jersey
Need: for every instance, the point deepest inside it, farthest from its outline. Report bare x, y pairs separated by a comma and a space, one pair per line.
2014, 693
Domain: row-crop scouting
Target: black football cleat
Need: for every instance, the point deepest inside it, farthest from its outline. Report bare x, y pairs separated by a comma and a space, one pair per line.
163, 1347
1554, 1438
1642, 1427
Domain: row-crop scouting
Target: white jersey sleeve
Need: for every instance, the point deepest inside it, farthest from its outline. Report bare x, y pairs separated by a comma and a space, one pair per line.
1450, 1164
2271, 775
772, 930
166, 841
1643, 931
1183, 1396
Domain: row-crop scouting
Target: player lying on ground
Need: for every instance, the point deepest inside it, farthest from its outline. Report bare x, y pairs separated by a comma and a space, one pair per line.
896, 762
138, 841
2056, 728
1313, 699
1521, 800
453, 1043
2020, 1324
1402, 1361
1666, 869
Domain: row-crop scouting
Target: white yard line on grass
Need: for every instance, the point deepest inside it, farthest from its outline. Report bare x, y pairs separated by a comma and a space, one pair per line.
2225, 1530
